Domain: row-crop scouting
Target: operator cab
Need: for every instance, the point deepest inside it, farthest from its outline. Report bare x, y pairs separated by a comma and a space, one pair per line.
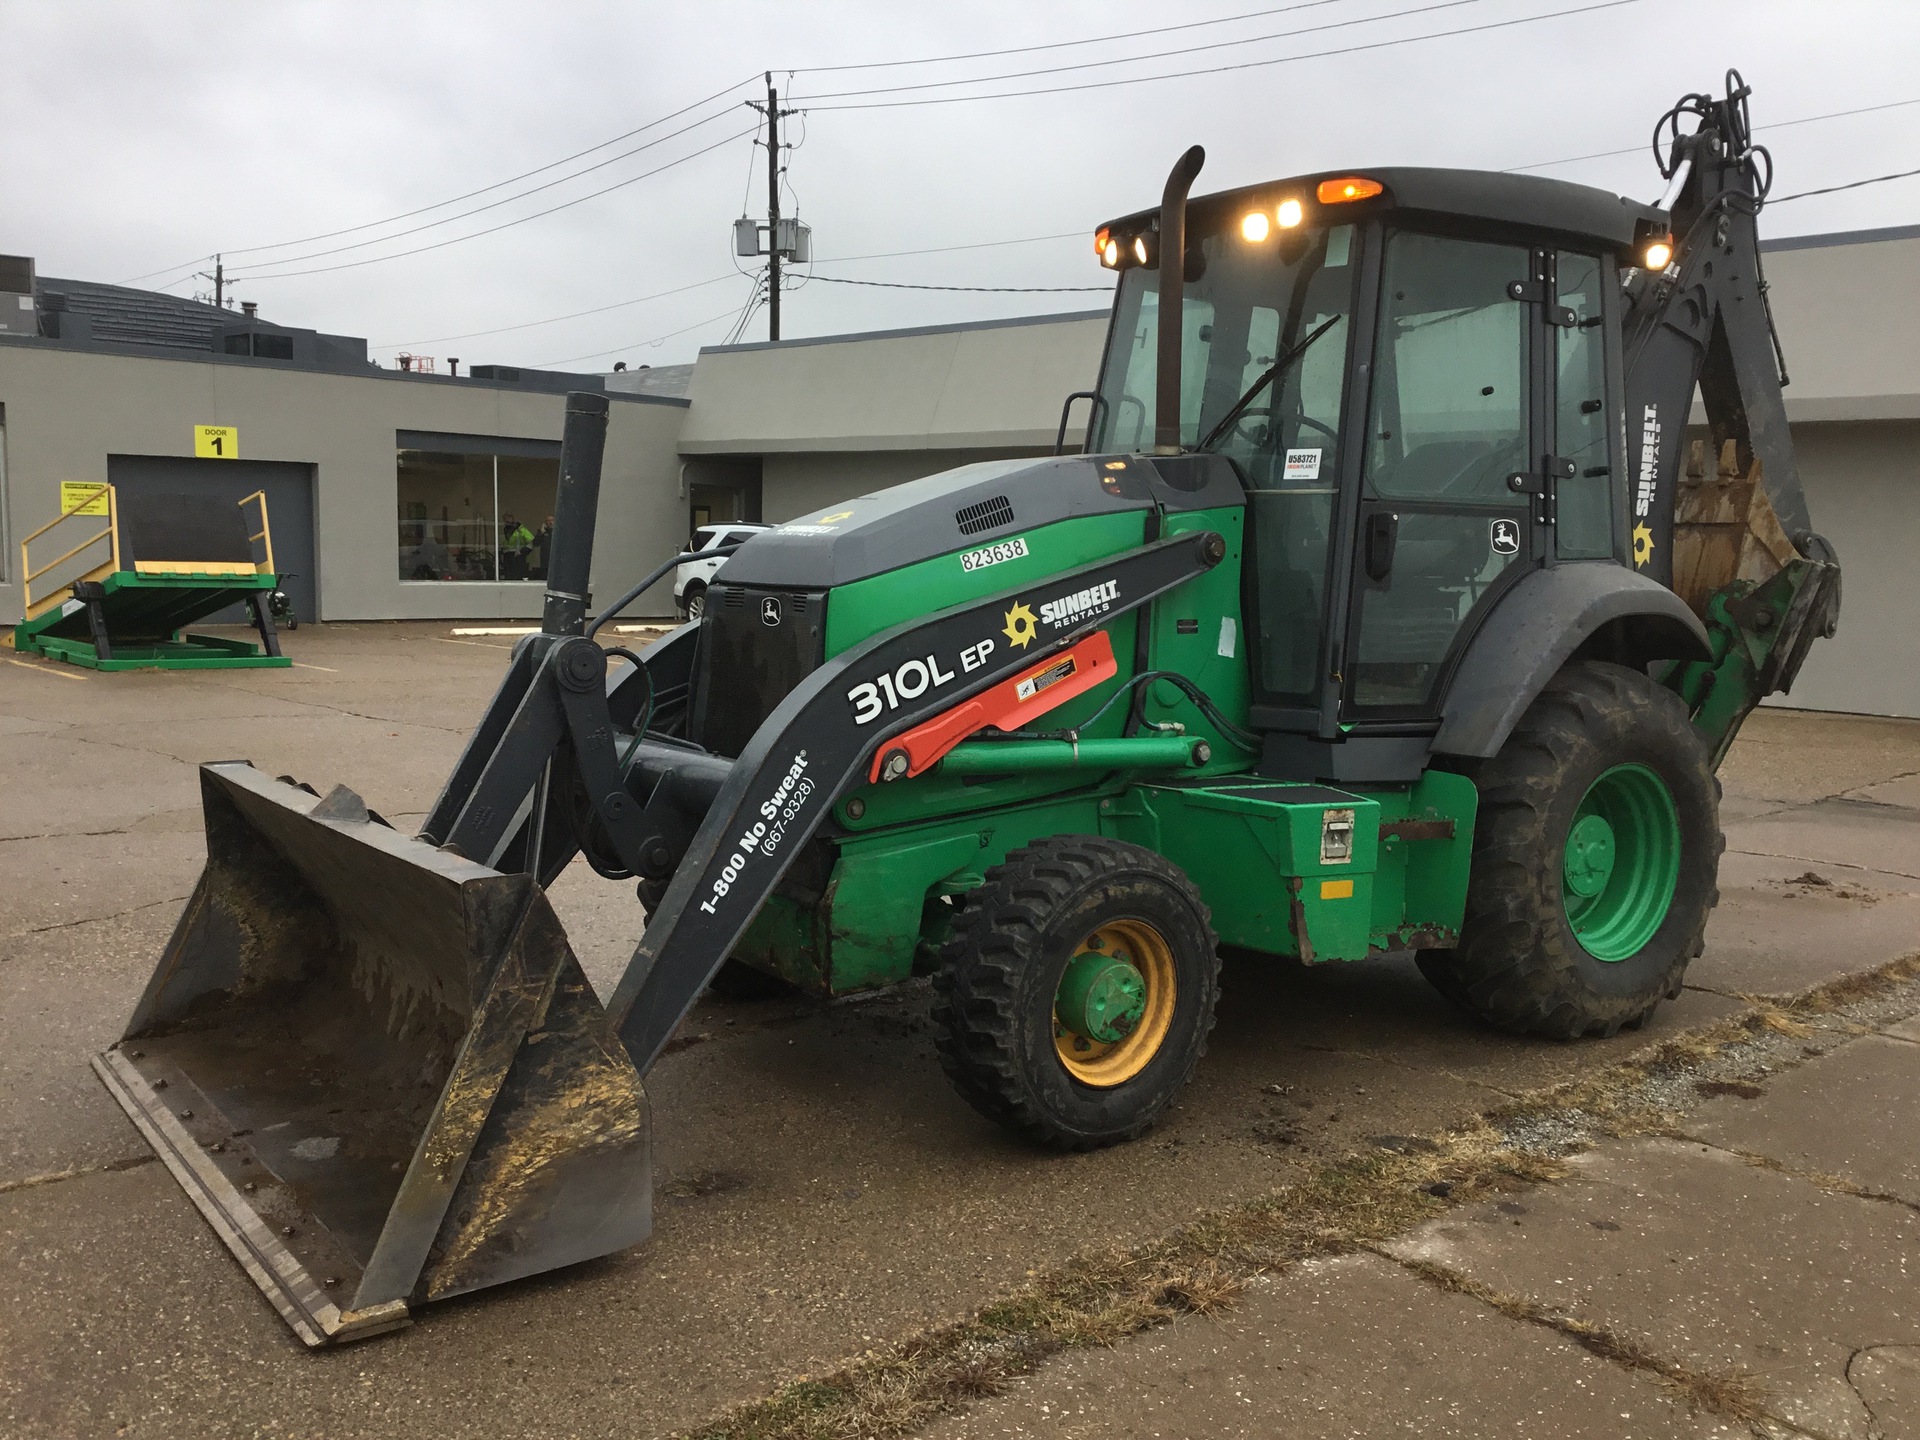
1413, 374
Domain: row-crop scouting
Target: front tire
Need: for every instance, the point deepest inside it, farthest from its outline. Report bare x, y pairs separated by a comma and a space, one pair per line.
1077, 990
1595, 860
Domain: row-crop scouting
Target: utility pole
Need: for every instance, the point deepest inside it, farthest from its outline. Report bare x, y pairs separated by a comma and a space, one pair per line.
774, 248
773, 210
219, 279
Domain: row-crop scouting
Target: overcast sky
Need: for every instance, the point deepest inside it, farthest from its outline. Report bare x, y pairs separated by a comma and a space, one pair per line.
137, 136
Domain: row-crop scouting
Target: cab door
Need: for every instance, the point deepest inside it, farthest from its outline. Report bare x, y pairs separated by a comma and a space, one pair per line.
1447, 514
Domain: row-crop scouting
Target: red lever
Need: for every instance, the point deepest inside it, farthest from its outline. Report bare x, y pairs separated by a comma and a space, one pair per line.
1007, 706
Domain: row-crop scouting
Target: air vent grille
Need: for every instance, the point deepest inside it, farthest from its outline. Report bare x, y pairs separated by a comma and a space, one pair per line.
986, 515
735, 597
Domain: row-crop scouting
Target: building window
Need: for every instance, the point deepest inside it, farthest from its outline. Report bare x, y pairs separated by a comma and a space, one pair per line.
475, 508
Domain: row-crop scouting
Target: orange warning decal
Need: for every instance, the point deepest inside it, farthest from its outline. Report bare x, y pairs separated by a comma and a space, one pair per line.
1009, 705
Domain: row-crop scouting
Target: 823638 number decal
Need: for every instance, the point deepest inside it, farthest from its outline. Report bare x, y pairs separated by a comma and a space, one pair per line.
992, 555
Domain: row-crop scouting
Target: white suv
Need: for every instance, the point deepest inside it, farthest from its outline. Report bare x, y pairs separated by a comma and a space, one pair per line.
691, 579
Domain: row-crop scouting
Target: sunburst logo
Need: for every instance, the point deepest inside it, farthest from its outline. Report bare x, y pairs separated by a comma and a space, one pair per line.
1642, 545
1020, 628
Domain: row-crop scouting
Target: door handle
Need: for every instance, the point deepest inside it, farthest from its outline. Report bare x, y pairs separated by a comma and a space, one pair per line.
1383, 529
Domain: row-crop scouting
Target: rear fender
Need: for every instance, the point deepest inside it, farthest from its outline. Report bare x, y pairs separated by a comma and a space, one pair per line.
1550, 617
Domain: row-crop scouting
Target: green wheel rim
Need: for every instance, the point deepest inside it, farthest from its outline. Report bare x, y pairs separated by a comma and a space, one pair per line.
1621, 862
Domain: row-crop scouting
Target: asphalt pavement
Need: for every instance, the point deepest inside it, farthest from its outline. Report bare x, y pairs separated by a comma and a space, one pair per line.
822, 1193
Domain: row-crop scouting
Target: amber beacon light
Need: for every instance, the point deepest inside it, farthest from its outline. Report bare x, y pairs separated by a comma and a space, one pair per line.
1347, 187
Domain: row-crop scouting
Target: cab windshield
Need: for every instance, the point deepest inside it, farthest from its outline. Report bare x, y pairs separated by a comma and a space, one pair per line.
1250, 306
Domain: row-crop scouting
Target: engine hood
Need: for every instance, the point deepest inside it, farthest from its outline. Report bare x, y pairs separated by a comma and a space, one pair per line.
972, 505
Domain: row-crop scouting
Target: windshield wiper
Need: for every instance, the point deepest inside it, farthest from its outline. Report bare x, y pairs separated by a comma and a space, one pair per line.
1240, 405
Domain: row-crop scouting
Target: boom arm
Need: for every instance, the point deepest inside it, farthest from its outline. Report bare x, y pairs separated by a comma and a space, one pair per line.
1732, 537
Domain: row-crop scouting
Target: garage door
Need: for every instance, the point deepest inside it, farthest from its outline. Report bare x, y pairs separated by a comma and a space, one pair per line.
289, 491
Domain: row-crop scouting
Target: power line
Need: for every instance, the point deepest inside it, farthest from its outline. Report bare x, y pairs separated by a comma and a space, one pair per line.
555, 319
1066, 44
491, 204
948, 249
1850, 185
716, 279
455, 200
508, 224
747, 311
1245, 65
1770, 126
726, 314
1134, 59
975, 289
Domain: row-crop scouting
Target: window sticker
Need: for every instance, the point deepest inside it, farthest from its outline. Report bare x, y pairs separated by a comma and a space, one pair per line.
1302, 465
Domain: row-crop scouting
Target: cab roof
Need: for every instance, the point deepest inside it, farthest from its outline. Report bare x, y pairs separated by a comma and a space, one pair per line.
1529, 200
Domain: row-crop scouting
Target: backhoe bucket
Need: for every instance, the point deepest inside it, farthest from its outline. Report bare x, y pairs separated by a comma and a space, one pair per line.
376, 1066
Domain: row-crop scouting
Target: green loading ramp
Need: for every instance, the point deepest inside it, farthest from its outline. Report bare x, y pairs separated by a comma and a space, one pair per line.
159, 564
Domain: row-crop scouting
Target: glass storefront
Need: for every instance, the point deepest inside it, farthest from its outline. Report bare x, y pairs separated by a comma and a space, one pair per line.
476, 510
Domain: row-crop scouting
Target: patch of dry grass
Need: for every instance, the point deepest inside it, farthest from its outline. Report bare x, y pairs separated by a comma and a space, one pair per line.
1734, 1394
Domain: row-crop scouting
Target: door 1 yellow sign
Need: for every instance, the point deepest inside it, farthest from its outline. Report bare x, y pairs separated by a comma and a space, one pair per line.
216, 442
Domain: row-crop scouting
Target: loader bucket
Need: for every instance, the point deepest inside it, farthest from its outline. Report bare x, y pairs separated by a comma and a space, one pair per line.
376, 1066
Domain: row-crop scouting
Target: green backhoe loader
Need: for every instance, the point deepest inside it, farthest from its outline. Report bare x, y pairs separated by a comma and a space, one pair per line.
1386, 609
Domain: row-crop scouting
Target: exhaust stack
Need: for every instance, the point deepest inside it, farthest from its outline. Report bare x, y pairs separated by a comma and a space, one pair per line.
1173, 276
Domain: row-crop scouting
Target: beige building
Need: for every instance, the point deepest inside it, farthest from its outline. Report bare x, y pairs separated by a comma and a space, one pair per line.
413, 495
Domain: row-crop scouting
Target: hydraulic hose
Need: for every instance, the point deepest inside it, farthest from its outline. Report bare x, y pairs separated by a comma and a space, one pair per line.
653, 578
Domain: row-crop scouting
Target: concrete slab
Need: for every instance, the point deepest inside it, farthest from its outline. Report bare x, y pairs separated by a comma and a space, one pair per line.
1851, 1113
1888, 1379
59, 784
1857, 834
1904, 790
1802, 755
65, 995
1383, 1009
390, 763
1908, 1029
1710, 1261
1773, 934
1354, 1346
70, 879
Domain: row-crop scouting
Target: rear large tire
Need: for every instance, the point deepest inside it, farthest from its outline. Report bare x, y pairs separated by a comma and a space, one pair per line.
1076, 992
1595, 857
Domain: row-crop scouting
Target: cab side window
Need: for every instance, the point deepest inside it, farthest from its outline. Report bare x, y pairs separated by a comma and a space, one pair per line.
1449, 419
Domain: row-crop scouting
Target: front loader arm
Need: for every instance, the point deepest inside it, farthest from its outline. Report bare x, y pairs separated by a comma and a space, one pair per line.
819, 742
1730, 534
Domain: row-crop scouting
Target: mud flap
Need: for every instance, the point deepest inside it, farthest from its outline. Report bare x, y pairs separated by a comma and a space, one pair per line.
377, 1068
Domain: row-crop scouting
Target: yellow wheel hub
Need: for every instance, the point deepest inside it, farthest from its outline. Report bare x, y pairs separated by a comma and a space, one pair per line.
1115, 1003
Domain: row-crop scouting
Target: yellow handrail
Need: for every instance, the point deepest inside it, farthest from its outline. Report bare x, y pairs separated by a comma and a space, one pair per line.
266, 530
112, 533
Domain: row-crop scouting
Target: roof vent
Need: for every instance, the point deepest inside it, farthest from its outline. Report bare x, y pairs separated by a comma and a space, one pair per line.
985, 515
